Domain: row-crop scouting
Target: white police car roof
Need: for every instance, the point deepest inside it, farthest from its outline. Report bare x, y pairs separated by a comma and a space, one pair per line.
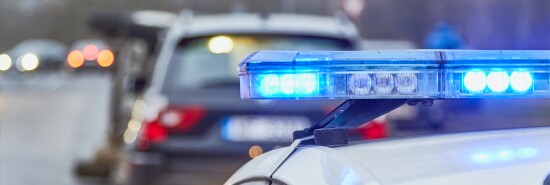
308, 25
514, 156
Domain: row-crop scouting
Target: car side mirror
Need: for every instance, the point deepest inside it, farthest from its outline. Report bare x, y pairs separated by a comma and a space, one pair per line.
136, 85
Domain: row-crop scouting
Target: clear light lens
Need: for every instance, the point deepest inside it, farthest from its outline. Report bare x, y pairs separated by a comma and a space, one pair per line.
475, 81
5, 62
521, 81
406, 83
360, 84
383, 83
498, 81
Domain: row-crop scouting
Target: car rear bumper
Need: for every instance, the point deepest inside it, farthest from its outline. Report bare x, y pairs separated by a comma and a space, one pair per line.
211, 143
194, 160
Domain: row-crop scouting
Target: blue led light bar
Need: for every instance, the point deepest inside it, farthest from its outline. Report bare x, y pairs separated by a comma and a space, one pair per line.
413, 74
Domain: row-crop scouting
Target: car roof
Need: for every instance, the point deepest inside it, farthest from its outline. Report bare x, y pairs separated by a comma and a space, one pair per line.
38, 43
81, 43
38, 46
309, 25
514, 156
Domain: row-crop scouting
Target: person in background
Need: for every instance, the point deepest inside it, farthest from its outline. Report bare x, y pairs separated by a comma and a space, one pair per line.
444, 36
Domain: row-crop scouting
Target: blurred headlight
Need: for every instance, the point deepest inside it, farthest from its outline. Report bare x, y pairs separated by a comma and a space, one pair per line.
27, 62
5, 62
220, 44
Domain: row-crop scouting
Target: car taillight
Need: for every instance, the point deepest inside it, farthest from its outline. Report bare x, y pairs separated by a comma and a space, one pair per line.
75, 59
90, 52
181, 119
152, 133
155, 132
105, 58
171, 119
374, 130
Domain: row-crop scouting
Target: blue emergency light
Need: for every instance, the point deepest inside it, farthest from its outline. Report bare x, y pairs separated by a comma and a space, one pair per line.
504, 155
408, 74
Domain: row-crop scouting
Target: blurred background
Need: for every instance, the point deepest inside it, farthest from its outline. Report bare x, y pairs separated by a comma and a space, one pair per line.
145, 91
484, 25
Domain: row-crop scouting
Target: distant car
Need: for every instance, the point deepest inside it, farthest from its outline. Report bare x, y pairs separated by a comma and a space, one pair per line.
89, 53
37, 54
191, 118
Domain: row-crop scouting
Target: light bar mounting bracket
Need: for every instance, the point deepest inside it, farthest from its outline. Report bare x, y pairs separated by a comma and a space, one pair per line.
332, 130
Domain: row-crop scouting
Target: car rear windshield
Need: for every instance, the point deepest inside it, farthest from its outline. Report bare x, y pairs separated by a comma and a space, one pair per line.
211, 62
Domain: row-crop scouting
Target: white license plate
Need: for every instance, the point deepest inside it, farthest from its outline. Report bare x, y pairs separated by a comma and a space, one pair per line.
262, 128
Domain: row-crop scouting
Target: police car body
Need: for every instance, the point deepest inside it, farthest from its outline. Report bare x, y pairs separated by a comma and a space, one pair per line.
514, 156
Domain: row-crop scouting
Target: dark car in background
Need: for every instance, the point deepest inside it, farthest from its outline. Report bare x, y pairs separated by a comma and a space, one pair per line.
191, 123
38, 55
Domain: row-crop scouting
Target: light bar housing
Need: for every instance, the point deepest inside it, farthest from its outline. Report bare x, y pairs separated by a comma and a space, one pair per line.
407, 74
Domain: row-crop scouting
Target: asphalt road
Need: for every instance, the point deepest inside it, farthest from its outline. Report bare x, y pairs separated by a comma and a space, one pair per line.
47, 123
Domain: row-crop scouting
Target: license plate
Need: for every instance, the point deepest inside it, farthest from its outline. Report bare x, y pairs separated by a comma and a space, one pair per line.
262, 128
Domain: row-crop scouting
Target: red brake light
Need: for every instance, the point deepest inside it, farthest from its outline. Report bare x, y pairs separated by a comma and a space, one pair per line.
155, 132
375, 129
75, 59
171, 119
90, 52
152, 133
181, 119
